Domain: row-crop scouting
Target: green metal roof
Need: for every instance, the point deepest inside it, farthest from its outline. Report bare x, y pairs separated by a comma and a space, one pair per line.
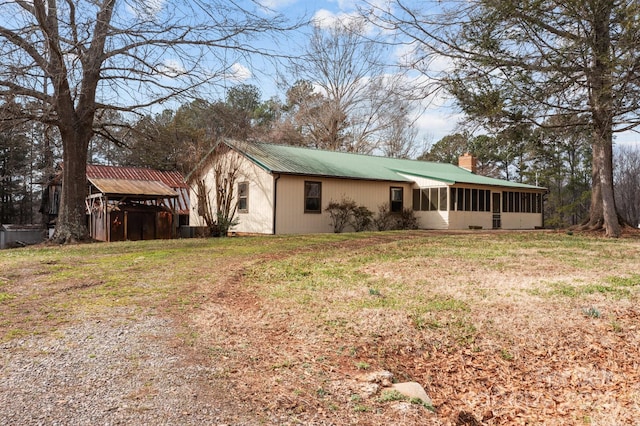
314, 162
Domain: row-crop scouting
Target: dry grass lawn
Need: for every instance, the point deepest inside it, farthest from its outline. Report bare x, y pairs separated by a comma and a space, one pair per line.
499, 328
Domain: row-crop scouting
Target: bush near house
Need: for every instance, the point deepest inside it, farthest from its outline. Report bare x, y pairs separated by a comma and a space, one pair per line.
362, 219
348, 213
341, 213
386, 220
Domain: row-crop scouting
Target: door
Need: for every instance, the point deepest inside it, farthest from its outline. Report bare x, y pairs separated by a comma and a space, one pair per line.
495, 202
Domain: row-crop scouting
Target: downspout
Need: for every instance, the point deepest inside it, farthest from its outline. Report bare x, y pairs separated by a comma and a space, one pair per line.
275, 202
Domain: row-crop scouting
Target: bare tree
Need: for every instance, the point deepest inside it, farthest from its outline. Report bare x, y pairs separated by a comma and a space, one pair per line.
217, 197
77, 58
347, 97
532, 60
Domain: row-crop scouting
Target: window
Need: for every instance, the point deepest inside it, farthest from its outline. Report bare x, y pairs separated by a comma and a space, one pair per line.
312, 197
443, 199
416, 200
481, 200
452, 199
467, 199
396, 200
431, 199
424, 205
243, 197
525, 202
474, 200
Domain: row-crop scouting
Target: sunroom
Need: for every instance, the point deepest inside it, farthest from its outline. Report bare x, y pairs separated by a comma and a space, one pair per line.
461, 206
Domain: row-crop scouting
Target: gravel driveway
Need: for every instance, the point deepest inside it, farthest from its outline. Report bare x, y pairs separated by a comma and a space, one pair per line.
124, 370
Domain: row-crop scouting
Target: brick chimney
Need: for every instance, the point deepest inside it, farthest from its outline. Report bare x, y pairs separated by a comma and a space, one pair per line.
467, 161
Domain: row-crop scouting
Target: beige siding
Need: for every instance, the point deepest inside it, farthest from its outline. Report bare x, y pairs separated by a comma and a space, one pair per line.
290, 207
194, 218
259, 217
521, 220
433, 219
463, 220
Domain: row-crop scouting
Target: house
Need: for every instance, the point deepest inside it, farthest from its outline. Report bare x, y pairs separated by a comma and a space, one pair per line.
285, 190
129, 203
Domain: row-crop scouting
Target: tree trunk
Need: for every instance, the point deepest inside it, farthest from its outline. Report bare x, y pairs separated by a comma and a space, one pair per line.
601, 103
71, 225
612, 224
596, 215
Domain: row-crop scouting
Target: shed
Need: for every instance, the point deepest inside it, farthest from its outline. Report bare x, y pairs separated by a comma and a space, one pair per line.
129, 203
20, 235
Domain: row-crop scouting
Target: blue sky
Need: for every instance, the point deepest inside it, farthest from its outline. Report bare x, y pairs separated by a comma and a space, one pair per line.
433, 123
436, 121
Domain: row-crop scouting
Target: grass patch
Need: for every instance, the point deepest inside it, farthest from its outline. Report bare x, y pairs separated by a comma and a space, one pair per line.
322, 277
5, 297
418, 401
615, 287
361, 365
506, 355
624, 282
443, 303
306, 309
15, 333
390, 395
591, 312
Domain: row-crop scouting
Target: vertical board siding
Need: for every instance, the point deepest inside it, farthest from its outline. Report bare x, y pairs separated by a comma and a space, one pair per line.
259, 217
433, 219
521, 220
290, 207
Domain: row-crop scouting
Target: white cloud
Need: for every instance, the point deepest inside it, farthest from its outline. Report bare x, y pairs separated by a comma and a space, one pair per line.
147, 9
324, 18
435, 64
435, 124
353, 4
345, 4
171, 68
276, 4
238, 73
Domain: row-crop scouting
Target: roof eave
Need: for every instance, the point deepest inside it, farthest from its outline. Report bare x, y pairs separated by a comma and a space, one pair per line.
325, 176
138, 196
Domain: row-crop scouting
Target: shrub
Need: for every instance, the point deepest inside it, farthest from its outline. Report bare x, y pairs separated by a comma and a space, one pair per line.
384, 220
387, 220
362, 218
340, 213
221, 227
347, 212
406, 220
